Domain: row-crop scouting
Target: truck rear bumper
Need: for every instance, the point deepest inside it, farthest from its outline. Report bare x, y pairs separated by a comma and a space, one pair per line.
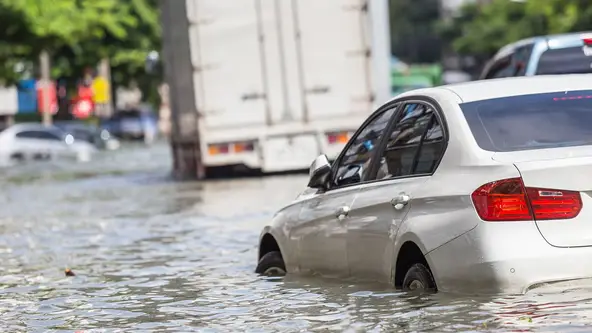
277, 153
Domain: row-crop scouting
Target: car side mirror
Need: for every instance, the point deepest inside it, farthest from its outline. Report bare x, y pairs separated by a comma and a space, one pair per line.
320, 169
352, 175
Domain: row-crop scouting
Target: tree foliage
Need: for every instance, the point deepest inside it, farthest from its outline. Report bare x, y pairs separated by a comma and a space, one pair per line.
77, 34
414, 35
481, 29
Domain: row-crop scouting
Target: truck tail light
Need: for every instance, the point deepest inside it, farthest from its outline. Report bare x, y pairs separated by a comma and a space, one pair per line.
218, 149
234, 147
510, 200
337, 137
241, 147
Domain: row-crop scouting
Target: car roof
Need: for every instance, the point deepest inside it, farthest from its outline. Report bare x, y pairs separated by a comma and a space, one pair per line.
574, 37
33, 126
555, 41
512, 86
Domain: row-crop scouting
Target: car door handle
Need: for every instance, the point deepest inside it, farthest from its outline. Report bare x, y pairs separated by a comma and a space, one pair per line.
400, 201
342, 213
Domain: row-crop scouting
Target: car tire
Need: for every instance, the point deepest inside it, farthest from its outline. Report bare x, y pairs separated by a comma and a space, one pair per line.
271, 264
419, 278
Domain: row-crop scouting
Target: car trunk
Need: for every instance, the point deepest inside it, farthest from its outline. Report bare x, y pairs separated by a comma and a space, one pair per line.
563, 170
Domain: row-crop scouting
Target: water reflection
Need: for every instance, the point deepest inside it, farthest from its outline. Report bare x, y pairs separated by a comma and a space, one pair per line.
152, 254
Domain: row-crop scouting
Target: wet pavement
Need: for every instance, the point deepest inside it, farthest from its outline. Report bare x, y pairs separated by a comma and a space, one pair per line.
151, 254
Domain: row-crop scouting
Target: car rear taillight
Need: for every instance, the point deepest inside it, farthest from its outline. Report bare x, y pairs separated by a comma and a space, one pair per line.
548, 204
510, 200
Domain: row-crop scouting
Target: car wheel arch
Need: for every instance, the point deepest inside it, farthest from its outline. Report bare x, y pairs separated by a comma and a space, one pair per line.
268, 242
410, 252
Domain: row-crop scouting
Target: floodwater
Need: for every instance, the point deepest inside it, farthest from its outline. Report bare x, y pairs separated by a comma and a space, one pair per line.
151, 254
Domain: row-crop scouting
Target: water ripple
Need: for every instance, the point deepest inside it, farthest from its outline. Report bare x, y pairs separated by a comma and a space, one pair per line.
151, 254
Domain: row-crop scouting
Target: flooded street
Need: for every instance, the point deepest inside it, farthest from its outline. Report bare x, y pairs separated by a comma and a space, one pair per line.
151, 254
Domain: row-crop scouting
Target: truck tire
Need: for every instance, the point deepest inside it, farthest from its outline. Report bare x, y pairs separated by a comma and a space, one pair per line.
271, 264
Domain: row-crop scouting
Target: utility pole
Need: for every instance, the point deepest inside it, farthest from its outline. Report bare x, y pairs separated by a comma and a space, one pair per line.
45, 87
381, 49
178, 72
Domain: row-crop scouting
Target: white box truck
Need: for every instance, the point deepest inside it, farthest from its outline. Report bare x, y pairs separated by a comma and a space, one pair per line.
278, 82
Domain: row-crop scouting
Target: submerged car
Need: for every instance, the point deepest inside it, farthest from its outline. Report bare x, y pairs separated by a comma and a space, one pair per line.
32, 141
480, 186
135, 124
100, 138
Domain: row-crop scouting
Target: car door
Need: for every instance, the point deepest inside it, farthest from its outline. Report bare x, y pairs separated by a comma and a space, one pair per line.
55, 143
322, 228
30, 144
407, 158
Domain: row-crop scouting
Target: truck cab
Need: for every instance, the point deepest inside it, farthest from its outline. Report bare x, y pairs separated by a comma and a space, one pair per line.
543, 55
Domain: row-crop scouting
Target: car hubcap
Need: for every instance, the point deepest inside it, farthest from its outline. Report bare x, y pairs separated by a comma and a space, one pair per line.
416, 285
274, 271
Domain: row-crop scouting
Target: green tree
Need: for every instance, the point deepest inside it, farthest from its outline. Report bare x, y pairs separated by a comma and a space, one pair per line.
78, 34
126, 48
414, 35
482, 29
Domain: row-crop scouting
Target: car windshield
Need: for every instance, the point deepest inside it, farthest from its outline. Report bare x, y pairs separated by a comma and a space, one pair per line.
536, 121
128, 114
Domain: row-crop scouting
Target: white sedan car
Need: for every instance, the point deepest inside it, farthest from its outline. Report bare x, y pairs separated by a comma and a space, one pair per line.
481, 186
33, 141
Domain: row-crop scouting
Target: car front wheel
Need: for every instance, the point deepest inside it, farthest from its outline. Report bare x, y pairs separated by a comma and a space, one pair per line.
271, 264
419, 278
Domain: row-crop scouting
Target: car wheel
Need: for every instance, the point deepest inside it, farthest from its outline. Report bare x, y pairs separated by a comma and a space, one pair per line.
419, 278
271, 264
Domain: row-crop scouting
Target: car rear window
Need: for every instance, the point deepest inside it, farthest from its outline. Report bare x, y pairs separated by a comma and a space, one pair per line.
536, 121
569, 60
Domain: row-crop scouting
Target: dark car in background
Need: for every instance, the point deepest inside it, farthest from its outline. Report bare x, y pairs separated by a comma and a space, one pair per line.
134, 123
543, 55
100, 138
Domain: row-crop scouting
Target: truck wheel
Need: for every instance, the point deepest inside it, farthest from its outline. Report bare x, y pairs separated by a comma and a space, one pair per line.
419, 278
271, 264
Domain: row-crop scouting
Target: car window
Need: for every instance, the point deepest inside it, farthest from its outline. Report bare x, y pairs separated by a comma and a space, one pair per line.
80, 134
534, 121
354, 164
402, 155
40, 135
500, 68
521, 59
570, 60
27, 135
431, 149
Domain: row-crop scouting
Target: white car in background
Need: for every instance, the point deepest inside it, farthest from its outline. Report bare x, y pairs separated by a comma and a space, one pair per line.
482, 186
32, 141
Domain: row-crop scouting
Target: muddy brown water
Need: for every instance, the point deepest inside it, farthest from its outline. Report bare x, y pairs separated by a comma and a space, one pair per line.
151, 254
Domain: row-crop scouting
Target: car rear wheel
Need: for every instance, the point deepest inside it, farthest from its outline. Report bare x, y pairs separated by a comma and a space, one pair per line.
271, 264
419, 278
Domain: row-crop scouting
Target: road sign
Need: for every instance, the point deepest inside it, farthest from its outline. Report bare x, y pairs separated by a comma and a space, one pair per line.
100, 88
53, 98
82, 108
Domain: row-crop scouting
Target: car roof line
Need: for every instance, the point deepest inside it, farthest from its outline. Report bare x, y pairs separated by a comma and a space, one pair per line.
454, 92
